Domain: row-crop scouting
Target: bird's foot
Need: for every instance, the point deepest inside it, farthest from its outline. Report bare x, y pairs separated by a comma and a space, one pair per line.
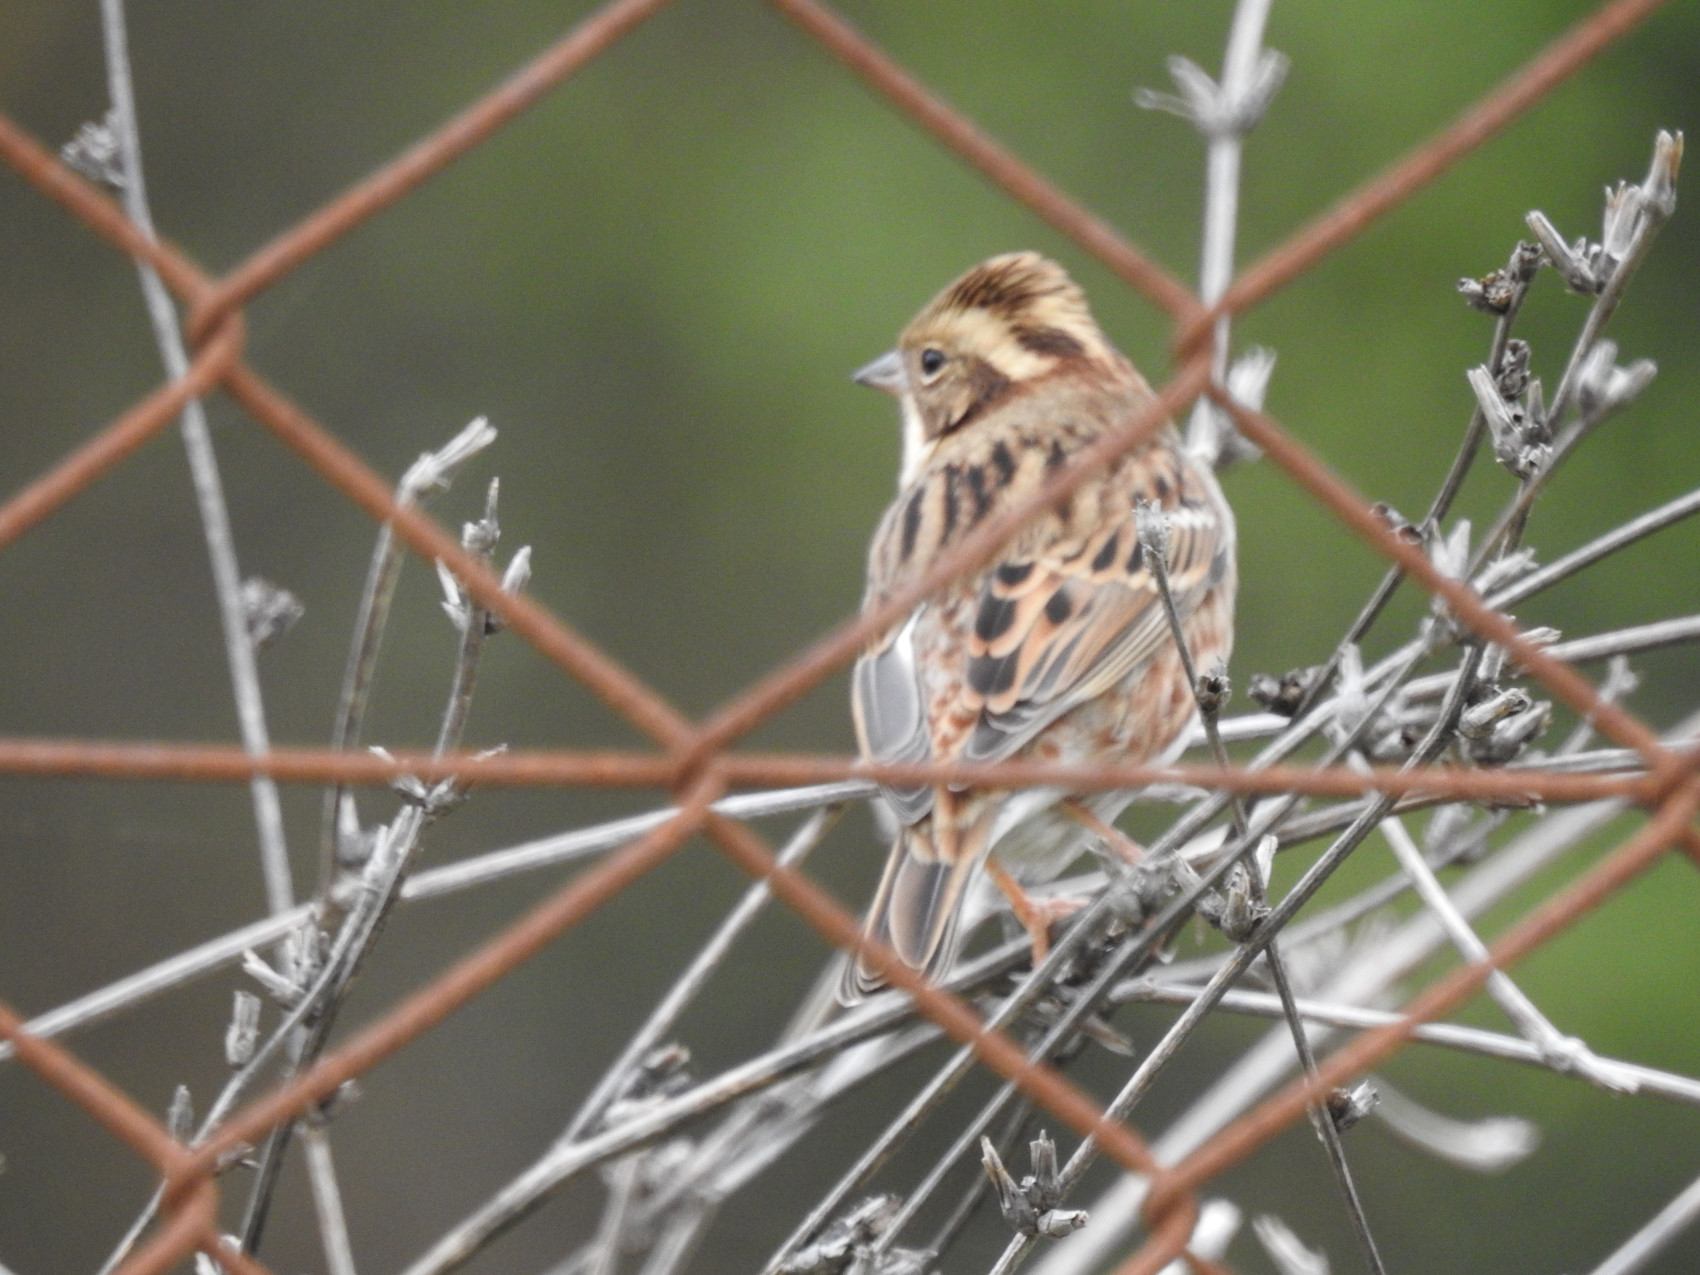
1035, 915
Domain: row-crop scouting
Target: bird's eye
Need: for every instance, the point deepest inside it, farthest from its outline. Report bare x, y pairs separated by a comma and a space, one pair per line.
931, 362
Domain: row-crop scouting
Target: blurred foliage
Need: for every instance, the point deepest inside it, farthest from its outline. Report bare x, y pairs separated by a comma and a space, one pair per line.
655, 285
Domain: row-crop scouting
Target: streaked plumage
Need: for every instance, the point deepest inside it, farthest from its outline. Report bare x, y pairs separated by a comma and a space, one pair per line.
1059, 650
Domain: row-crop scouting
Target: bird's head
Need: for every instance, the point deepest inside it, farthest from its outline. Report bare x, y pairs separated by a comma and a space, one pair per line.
1003, 325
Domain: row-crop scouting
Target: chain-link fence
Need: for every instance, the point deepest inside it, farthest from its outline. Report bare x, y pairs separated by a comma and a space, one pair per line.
700, 764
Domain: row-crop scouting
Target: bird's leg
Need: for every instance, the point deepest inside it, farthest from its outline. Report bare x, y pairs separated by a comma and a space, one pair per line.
1129, 850
1036, 915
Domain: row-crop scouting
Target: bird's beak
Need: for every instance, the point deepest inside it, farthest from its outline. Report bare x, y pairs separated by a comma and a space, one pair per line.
884, 373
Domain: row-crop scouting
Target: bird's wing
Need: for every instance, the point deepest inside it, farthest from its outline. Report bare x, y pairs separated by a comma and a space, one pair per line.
891, 715
1068, 620
1056, 623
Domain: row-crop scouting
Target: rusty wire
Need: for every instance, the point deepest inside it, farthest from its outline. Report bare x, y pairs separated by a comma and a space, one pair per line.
694, 763
563, 769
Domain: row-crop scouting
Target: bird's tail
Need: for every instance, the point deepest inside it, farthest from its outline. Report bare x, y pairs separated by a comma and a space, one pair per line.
917, 907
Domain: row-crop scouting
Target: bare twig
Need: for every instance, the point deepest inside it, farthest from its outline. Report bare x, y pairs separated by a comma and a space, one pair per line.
927, 1099
1634, 217
1566, 1053
1630, 641
239, 643
1469, 1040
1590, 553
327, 1204
432, 472
1653, 1238
972, 1198
1154, 539
566, 847
611, 1234
1518, 276
306, 1027
1223, 114
1321, 1119
203, 468
1154, 536
391, 858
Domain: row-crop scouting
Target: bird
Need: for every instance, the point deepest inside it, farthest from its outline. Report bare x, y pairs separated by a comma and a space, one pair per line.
1060, 648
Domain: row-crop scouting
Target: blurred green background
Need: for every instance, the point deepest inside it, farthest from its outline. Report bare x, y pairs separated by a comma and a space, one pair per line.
655, 285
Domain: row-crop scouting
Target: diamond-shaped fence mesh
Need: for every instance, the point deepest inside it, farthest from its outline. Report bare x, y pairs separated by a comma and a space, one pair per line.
701, 761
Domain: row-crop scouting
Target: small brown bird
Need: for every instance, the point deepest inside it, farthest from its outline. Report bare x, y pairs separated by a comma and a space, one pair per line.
1060, 649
